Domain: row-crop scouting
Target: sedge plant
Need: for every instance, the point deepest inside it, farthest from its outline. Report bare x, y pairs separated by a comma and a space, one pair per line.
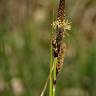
57, 49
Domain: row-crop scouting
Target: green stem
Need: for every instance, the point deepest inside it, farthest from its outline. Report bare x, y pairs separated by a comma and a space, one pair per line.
54, 76
51, 59
51, 79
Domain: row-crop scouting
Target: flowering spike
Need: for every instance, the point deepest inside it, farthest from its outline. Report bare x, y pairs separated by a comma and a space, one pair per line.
61, 9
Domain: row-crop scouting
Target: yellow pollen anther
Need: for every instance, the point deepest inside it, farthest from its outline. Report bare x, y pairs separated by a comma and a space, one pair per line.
65, 24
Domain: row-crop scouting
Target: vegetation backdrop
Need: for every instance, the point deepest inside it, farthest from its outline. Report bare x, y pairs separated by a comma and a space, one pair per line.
25, 27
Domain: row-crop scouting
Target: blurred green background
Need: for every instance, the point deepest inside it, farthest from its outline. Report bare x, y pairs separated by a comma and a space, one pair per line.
25, 27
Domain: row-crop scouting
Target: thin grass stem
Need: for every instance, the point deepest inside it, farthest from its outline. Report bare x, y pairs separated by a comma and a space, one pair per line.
51, 61
51, 79
54, 76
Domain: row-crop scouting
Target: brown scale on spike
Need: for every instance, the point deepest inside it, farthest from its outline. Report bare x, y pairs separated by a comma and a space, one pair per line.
61, 10
60, 58
60, 19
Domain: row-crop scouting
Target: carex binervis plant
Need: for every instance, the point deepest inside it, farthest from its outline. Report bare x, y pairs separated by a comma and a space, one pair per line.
58, 48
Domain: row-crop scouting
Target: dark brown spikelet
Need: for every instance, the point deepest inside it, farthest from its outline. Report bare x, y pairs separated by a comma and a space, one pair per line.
60, 58
60, 36
60, 19
57, 42
61, 10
